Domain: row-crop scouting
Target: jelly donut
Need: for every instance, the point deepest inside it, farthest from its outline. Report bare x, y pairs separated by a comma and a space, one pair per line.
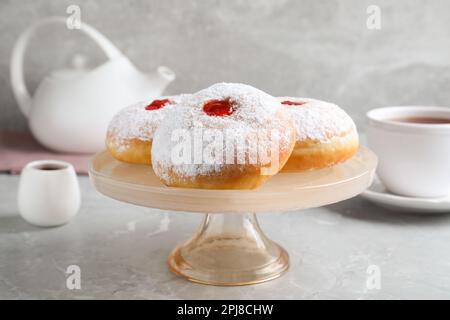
228, 136
130, 132
325, 134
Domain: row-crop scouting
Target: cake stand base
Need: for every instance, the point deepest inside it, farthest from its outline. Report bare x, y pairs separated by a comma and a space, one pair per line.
229, 250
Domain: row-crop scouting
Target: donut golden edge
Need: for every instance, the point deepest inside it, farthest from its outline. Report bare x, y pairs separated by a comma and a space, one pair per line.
312, 155
134, 151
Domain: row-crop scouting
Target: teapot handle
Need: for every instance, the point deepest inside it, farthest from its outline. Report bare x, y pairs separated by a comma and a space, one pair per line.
16, 66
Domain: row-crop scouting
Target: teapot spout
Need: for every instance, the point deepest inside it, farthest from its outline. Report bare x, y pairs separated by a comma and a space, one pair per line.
158, 80
166, 75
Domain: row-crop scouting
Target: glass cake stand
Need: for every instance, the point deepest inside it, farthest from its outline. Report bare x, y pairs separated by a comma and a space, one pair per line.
230, 248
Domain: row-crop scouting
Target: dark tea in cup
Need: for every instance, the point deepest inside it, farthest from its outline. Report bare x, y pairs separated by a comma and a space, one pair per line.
423, 120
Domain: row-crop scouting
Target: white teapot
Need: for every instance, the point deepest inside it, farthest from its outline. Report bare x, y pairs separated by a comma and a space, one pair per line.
71, 108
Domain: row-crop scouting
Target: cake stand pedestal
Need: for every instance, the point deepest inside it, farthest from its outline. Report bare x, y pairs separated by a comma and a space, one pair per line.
230, 248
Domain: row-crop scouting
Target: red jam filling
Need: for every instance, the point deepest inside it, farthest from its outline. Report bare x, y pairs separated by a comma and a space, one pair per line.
292, 103
219, 108
157, 104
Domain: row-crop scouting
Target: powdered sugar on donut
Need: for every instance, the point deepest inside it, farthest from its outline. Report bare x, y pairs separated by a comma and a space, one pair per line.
135, 122
255, 115
318, 120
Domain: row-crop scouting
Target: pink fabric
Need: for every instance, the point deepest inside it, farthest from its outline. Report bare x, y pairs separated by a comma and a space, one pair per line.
19, 148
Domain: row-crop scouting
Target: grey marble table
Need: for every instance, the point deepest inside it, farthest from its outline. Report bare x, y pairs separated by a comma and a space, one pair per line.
121, 250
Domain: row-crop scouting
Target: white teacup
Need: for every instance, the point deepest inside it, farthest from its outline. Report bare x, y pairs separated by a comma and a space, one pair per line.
49, 194
413, 149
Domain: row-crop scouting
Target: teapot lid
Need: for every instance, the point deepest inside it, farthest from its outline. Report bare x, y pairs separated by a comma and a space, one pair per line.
77, 67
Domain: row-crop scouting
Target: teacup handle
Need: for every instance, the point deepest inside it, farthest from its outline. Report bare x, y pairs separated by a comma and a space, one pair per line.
16, 66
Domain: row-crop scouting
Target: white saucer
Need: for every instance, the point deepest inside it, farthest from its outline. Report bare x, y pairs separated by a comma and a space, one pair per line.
378, 194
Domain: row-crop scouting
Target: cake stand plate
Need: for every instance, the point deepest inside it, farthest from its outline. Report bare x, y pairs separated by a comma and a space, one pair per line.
230, 248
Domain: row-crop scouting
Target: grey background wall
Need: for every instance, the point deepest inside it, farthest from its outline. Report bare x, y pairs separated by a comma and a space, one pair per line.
314, 48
